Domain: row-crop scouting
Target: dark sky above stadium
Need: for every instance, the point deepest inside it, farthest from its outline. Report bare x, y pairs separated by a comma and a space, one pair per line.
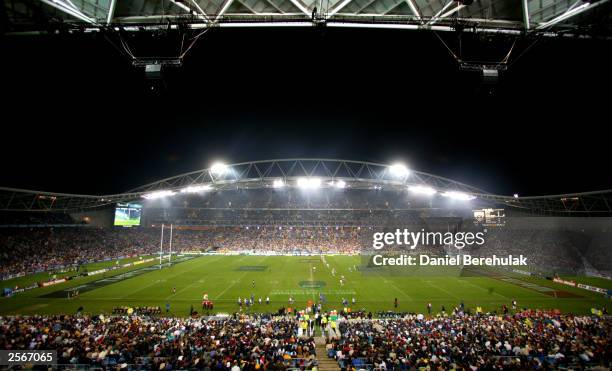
78, 118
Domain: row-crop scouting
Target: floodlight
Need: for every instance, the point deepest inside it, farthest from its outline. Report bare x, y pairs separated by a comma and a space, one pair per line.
309, 183
158, 194
340, 184
399, 170
278, 183
196, 189
218, 168
423, 190
516, 195
455, 195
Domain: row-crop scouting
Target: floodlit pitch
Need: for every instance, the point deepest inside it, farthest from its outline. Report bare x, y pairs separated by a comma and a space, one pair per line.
303, 278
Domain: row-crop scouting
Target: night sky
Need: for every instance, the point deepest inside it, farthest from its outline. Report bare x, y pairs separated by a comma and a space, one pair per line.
78, 118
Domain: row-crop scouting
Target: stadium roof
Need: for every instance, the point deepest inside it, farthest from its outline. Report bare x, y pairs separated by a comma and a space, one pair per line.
506, 16
295, 173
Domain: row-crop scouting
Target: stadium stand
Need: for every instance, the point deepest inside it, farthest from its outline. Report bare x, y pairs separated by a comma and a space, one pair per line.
522, 341
38, 249
163, 343
525, 340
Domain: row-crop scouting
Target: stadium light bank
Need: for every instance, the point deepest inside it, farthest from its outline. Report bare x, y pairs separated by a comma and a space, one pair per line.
399, 170
422, 190
167, 193
278, 183
309, 183
458, 196
219, 168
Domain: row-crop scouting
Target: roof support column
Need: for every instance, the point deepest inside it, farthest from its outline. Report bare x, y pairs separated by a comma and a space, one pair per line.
526, 14
111, 12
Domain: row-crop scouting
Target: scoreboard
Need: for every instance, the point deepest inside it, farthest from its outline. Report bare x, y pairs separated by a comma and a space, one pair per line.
490, 217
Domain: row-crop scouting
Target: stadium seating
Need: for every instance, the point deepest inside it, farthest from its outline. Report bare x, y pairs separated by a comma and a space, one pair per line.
525, 340
42, 249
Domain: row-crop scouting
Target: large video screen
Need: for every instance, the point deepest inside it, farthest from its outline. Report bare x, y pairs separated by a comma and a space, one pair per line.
128, 215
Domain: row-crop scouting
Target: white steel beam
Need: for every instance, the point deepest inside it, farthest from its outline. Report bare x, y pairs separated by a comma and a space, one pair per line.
226, 5
111, 12
570, 13
437, 15
526, 14
301, 7
450, 12
414, 9
202, 12
69, 10
339, 7
265, 24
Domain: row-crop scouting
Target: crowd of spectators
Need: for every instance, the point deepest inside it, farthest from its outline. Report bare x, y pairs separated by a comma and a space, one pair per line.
29, 250
550, 251
520, 341
163, 343
294, 217
344, 240
523, 340
38, 249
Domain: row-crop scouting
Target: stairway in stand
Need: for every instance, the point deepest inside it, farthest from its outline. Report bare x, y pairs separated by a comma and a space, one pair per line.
325, 363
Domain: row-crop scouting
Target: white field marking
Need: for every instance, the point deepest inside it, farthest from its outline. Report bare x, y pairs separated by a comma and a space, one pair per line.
395, 286
275, 286
236, 281
488, 302
401, 291
75, 288
430, 283
482, 288
311, 280
185, 288
155, 282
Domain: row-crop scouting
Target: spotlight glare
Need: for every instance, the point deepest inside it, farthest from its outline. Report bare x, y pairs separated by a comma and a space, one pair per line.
516, 195
423, 190
278, 183
340, 184
218, 168
309, 183
196, 189
455, 195
399, 170
158, 194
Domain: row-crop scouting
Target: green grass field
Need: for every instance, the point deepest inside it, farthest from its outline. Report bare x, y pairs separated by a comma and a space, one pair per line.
225, 278
45, 276
127, 222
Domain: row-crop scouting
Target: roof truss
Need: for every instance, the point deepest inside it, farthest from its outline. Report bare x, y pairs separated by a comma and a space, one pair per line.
499, 15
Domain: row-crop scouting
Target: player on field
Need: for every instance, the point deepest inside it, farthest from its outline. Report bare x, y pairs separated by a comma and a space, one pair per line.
267, 300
